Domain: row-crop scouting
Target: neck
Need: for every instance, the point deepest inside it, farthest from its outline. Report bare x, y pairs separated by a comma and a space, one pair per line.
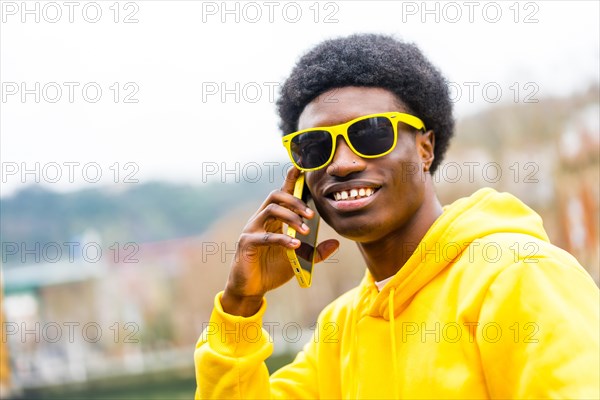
386, 256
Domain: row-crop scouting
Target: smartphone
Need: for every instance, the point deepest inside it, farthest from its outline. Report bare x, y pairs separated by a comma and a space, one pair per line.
302, 259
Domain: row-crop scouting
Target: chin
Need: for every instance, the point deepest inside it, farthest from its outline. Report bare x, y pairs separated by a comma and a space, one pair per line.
358, 230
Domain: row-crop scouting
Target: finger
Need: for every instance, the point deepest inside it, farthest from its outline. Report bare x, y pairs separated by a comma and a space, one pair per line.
305, 251
288, 201
326, 249
290, 180
250, 240
282, 214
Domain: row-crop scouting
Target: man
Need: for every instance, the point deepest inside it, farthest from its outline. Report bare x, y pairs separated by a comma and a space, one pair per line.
438, 314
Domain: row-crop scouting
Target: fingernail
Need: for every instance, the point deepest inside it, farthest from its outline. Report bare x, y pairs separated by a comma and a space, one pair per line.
295, 241
304, 227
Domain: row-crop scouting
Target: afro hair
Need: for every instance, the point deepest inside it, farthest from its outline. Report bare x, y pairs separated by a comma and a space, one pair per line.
371, 60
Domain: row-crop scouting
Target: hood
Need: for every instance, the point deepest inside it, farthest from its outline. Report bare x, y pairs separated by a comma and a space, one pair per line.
484, 213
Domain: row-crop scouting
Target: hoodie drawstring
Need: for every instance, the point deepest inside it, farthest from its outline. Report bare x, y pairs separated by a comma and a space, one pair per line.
392, 316
353, 349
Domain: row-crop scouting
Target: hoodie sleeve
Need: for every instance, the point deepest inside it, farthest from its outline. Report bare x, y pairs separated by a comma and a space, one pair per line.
539, 332
229, 360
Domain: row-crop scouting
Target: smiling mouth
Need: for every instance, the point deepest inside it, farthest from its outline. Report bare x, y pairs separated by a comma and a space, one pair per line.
353, 194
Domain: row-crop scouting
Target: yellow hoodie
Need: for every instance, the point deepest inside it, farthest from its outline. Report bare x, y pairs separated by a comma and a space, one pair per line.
485, 307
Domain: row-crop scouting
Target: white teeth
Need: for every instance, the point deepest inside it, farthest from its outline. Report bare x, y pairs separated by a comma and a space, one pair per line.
353, 194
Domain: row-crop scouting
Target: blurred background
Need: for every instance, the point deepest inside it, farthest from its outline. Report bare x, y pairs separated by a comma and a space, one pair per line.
137, 138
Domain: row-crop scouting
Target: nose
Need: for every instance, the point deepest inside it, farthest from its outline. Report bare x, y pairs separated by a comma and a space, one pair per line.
345, 161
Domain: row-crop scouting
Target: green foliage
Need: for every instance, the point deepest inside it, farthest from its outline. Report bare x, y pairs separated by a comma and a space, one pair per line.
144, 213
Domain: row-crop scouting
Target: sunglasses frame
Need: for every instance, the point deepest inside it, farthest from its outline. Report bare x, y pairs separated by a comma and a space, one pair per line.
342, 130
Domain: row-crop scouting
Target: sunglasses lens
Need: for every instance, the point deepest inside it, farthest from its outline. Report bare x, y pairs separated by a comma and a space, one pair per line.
372, 136
311, 149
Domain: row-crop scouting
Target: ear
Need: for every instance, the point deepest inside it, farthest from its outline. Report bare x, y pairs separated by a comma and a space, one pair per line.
425, 147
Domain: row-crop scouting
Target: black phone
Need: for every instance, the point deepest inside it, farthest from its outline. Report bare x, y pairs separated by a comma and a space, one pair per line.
302, 259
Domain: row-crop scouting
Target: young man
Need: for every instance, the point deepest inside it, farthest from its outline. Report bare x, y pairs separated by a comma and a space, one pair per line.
454, 303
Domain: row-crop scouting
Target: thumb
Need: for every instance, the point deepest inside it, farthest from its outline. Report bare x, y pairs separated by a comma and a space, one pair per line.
326, 249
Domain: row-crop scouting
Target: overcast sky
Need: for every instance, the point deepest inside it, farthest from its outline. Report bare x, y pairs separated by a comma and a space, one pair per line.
162, 68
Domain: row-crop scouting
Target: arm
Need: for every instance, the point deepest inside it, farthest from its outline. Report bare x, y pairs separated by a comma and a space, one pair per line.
549, 341
230, 364
230, 354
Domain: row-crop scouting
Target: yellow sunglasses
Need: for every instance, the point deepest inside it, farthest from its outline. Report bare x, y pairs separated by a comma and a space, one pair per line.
370, 136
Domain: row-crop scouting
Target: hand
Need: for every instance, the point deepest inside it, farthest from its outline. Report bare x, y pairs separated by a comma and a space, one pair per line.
261, 263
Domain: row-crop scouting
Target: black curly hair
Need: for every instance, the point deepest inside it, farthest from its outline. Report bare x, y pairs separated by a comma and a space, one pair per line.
371, 60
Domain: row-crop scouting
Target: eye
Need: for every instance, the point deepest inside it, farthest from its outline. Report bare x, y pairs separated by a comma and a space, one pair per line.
372, 136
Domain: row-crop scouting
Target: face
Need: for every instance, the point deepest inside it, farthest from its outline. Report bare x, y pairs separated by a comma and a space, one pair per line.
396, 180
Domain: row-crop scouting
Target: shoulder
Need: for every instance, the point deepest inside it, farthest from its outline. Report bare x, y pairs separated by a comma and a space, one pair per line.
517, 251
534, 271
517, 266
496, 252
